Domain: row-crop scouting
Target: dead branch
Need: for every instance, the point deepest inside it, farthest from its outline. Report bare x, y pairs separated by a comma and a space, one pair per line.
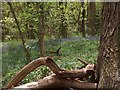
32, 66
83, 62
60, 73
55, 82
57, 52
77, 73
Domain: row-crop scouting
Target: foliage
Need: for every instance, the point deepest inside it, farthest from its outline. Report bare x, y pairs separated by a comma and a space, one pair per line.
28, 12
14, 59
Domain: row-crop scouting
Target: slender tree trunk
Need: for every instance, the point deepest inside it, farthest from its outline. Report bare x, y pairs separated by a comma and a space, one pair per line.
41, 30
78, 20
20, 32
91, 18
1, 16
63, 25
108, 63
83, 21
1, 24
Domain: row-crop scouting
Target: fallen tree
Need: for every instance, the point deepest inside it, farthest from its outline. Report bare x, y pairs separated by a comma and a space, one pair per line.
83, 78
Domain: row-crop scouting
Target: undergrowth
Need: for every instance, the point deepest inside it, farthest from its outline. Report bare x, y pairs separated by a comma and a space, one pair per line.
13, 58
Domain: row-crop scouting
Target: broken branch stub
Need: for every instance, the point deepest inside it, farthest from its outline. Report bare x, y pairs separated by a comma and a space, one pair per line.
83, 62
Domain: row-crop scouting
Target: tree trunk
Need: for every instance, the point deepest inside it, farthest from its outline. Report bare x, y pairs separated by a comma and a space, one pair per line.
63, 24
41, 30
83, 21
108, 64
78, 19
21, 35
1, 16
91, 18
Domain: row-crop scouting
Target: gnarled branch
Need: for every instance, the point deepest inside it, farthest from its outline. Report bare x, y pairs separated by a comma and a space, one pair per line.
60, 73
32, 66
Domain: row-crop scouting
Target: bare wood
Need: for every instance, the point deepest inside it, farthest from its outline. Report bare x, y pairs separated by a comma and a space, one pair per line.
81, 73
20, 32
72, 74
53, 66
30, 67
54, 82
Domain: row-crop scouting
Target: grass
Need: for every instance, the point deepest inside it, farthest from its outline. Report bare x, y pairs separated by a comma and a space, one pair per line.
13, 58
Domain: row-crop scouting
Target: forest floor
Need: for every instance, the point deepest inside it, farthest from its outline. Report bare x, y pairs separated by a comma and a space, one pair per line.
13, 58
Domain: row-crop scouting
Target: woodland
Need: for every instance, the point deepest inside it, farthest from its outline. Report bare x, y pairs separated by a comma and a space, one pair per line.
60, 45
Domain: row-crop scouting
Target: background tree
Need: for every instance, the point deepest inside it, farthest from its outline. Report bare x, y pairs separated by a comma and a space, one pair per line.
63, 24
41, 27
108, 64
21, 35
1, 22
79, 18
61, 17
99, 6
83, 20
91, 18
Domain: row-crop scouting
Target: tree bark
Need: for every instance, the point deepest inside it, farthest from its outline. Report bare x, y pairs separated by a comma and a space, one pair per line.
83, 20
54, 83
91, 18
63, 24
20, 32
1, 16
78, 19
41, 29
108, 63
